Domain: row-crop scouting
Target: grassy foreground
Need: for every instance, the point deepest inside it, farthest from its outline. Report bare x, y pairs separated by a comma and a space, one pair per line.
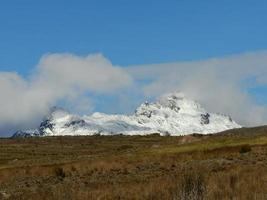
229, 165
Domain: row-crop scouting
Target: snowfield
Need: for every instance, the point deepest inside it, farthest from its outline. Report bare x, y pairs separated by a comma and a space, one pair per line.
173, 114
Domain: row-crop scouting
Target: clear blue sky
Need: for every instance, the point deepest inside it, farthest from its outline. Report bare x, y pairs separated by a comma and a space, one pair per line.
129, 32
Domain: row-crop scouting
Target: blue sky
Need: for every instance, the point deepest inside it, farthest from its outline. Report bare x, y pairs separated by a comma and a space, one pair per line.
129, 32
217, 46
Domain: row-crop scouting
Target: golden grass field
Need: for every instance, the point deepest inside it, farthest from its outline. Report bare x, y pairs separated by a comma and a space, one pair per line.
228, 165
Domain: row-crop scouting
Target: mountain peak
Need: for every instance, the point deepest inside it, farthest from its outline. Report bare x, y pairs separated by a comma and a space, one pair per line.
56, 111
172, 96
172, 113
179, 102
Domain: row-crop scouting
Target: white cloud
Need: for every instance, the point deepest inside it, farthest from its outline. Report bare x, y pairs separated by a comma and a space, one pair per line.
93, 72
220, 84
58, 76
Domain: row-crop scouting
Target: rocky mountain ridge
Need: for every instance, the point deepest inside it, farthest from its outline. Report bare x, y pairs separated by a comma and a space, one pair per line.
172, 114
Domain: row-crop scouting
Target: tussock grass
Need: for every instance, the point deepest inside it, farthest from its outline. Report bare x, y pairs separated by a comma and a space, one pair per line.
229, 165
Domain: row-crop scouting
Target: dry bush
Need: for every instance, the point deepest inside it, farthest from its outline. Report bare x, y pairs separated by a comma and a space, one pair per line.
193, 186
245, 149
60, 173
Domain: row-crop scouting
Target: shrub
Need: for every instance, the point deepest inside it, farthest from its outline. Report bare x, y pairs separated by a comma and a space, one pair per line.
59, 171
245, 149
192, 186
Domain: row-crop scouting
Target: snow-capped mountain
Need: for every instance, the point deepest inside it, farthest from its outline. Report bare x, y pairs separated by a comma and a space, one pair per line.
173, 114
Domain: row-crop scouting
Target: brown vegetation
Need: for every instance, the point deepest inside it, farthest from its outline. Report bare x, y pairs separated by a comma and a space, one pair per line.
229, 165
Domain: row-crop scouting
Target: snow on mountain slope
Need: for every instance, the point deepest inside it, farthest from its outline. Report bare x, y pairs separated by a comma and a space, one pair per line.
172, 114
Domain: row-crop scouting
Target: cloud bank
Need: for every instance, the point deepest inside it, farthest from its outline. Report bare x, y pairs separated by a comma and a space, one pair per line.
57, 77
220, 84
